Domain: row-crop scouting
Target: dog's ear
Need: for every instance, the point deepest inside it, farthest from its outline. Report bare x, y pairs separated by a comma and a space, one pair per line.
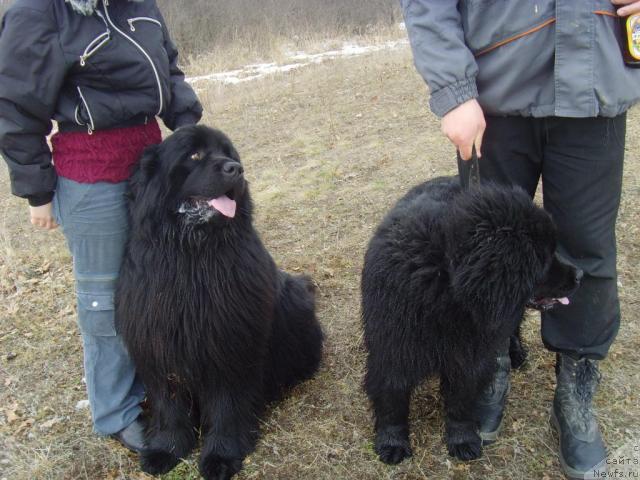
145, 169
492, 272
149, 163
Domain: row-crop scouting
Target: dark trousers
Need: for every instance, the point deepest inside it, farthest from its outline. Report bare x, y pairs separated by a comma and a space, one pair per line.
580, 161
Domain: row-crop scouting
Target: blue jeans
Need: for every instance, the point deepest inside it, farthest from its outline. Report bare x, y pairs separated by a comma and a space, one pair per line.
95, 224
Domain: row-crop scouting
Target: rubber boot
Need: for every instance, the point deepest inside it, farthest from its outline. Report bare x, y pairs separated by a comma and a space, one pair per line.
489, 407
581, 445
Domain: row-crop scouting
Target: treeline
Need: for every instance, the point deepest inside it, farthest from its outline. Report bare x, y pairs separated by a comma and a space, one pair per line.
201, 25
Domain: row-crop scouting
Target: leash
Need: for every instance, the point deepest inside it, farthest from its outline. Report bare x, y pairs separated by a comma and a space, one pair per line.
469, 170
474, 169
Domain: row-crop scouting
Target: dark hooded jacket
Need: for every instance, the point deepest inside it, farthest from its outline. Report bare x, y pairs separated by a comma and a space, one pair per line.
91, 64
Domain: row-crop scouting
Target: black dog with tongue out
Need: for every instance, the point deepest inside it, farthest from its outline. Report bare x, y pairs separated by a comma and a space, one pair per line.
446, 280
215, 329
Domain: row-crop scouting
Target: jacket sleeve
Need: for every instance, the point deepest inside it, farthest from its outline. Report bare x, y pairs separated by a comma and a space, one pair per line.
32, 71
185, 108
440, 53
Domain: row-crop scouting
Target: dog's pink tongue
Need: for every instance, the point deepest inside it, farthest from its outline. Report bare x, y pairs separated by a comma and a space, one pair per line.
224, 205
564, 300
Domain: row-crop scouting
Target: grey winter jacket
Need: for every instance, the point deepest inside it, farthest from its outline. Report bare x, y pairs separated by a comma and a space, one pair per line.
89, 64
522, 57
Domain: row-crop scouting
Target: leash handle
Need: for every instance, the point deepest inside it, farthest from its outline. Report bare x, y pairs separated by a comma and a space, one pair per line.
474, 169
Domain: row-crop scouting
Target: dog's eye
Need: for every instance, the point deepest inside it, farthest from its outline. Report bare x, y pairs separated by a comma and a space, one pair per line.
196, 156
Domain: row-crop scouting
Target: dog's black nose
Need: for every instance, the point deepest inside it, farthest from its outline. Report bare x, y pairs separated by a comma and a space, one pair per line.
232, 169
579, 275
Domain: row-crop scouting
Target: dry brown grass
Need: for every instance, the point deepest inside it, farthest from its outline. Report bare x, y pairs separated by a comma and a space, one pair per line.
328, 149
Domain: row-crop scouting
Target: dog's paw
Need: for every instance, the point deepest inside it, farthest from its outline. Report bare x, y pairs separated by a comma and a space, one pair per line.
518, 358
393, 454
215, 467
517, 352
157, 462
393, 446
466, 446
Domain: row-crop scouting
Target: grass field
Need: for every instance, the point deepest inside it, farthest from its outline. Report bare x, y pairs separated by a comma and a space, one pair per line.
327, 149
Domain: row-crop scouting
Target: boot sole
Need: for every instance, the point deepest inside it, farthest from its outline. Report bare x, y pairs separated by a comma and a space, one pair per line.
128, 446
568, 471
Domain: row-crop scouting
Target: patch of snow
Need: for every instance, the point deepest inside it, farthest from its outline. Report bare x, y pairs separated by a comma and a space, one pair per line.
297, 60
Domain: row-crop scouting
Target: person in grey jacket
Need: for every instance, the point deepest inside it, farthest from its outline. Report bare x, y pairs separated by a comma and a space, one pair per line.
103, 69
540, 90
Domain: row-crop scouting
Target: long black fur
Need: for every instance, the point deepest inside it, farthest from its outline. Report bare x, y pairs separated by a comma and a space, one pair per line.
445, 282
214, 328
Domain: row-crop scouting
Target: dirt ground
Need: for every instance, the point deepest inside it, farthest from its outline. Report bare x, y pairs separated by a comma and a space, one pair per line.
328, 150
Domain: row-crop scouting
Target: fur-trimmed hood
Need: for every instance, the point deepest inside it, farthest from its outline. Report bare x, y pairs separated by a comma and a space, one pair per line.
87, 7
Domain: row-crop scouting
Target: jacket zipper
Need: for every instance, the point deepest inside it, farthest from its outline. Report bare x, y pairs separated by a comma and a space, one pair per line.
133, 20
91, 127
155, 71
94, 46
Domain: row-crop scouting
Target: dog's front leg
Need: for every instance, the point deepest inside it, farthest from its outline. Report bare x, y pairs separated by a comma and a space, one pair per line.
230, 430
517, 350
170, 435
391, 410
462, 438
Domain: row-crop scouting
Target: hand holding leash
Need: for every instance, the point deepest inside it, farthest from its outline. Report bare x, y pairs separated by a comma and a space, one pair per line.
464, 126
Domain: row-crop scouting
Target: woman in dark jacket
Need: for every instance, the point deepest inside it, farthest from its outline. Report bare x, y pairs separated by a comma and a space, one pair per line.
103, 69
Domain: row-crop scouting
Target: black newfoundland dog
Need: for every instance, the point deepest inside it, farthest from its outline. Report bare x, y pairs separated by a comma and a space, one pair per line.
446, 280
215, 329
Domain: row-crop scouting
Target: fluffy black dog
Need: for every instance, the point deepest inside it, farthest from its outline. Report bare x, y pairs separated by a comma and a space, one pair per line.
445, 282
215, 329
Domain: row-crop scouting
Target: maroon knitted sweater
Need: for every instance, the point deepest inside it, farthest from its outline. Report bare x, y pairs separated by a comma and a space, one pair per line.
104, 155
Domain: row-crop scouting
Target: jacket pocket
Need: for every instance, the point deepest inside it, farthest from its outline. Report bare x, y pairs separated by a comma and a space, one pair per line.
132, 22
514, 37
98, 109
96, 315
82, 114
488, 24
95, 45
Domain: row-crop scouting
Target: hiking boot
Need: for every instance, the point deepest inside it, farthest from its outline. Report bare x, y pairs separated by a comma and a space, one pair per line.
489, 407
581, 445
132, 436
